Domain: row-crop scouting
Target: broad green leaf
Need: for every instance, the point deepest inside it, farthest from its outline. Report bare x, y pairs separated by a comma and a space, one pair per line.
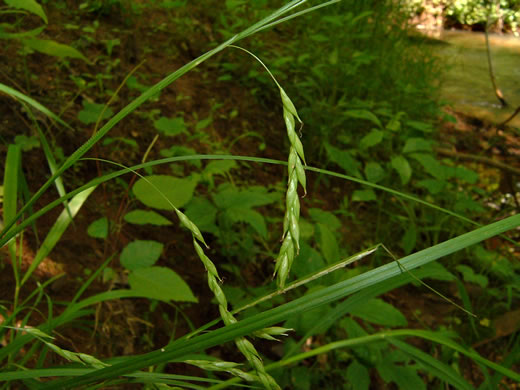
358, 376
11, 184
219, 167
92, 111
57, 230
433, 186
31, 33
27, 143
319, 38
344, 159
410, 238
371, 139
355, 330
230, 197
405, 377
203, 214
301, 378
252, 217
203, 123
437, 271
401, 165
471, 277
374, 172
432, 365
24, 98
140, 254
413, 145
325, 217
431, 165
308, 261
364, 114
160, 283
379, 312
467, 175
328, 244
364, 195
145, 217
98, 228
170, 126
53, 48
150, 191
28, 5
421, 126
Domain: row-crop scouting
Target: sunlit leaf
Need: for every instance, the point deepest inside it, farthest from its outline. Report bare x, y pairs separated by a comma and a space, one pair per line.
401, 165
374, 172
251, 217
92, 111
328, 244
140, 254
371, 139
161, 283
54, 48
145, 217
364, 196
170, 126
379, 312
358, 376
98, 228
28, 5
364, 114
152, 189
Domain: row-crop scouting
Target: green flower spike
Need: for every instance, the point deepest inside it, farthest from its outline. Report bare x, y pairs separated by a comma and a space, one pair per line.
245, 346
296, 174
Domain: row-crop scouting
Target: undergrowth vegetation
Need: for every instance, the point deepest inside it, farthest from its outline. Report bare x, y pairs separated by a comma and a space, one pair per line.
254, 221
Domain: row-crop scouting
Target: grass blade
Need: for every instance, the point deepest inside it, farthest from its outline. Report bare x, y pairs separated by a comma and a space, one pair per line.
308, 302
11, 171
143, 98
15, 230
24, 98
57, 230
432, 365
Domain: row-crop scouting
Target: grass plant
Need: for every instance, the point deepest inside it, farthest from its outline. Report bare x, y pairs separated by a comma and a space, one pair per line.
30, 342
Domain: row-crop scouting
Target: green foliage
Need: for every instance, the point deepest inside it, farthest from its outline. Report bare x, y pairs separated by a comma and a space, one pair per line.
98, 228
362, 115
160, 283
161, 191
28, 38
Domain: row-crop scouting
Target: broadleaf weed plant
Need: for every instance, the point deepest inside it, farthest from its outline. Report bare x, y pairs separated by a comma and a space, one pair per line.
18, 330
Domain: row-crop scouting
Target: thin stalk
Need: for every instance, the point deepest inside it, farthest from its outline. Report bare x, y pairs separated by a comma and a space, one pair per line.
498, 92
168, 160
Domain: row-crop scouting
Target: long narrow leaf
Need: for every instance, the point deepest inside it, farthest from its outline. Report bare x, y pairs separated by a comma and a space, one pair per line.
24, 98
57, 230
13, 231
308, 302
432, 365
11, 171
143, 98
51, 161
